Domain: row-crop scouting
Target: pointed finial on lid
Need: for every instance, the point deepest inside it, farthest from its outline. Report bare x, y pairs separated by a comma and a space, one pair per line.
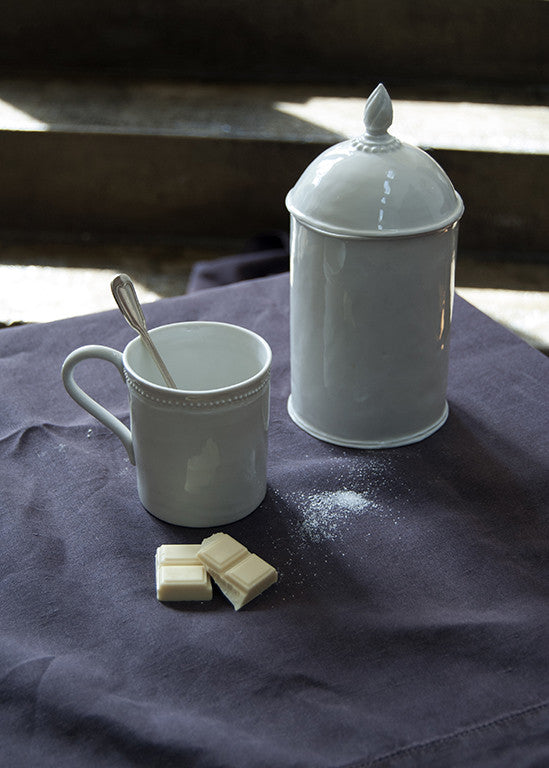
378, 113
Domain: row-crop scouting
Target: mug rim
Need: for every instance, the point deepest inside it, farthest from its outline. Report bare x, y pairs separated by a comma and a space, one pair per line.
228, 391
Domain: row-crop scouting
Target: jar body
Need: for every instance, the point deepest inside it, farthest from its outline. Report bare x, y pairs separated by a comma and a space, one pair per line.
369, 333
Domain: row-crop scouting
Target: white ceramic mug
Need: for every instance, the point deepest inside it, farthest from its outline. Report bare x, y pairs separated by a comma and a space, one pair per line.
200, 450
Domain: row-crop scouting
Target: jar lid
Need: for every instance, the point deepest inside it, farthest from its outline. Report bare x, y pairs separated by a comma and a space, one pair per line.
375, 185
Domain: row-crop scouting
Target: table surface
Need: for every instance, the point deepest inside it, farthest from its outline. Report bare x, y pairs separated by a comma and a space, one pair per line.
409, 623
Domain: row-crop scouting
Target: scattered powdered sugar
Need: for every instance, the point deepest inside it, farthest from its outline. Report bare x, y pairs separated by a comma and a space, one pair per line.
367, 488
323, 515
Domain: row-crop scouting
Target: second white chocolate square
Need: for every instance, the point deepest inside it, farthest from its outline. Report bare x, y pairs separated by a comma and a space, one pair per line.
180, 575
183, 582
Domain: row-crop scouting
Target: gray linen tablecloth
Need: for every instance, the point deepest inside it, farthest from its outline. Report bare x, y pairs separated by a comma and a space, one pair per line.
409, 623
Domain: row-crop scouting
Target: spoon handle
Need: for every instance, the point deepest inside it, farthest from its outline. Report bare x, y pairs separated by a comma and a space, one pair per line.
125, 296
158, 360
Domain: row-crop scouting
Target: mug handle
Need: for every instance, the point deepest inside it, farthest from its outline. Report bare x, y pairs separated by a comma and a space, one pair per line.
88, 403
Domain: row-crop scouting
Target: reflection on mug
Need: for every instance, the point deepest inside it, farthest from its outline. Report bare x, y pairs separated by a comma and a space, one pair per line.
201, 468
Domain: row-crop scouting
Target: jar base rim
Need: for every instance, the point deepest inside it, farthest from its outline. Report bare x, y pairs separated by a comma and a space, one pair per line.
393, 442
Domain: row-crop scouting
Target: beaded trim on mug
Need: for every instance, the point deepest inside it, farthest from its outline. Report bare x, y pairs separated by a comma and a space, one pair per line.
196, 401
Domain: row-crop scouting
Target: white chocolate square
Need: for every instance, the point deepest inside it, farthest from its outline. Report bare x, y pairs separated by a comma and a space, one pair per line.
240, 575
180, 575
178, 554
250, 573
183, 582
220, 552
249, 578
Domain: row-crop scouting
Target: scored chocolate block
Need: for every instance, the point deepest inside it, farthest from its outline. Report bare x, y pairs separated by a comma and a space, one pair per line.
180, 575
239, 574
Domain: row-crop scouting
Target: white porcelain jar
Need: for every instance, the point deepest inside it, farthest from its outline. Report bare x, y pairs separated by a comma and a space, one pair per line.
374, 225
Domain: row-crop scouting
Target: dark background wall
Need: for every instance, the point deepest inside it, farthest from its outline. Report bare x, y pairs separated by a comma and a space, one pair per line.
500, 41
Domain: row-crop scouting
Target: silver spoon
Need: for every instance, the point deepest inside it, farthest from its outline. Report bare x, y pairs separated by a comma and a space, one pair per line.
125, 296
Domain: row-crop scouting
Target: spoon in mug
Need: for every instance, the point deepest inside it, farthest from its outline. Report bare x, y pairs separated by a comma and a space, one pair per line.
125, 296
